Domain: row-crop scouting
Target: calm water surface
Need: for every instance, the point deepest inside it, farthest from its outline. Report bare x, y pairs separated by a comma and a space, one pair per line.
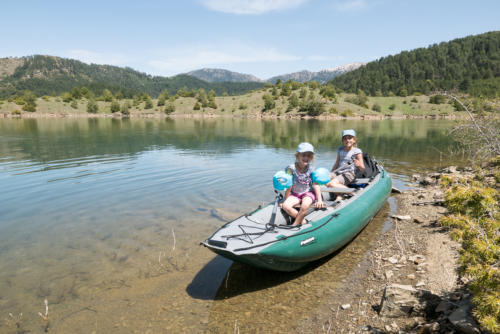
103, 218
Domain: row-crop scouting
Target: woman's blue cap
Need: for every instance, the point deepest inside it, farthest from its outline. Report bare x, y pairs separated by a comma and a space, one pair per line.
282, 180
321, 176
349, 132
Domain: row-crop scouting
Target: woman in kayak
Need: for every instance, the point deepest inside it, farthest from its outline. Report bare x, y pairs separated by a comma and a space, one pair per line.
349, 158
303, 191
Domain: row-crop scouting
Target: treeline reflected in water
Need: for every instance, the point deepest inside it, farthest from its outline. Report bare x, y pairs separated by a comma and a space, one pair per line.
45, 140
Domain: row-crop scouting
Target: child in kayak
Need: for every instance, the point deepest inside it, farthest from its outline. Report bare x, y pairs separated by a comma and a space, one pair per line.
303, 191
349, 157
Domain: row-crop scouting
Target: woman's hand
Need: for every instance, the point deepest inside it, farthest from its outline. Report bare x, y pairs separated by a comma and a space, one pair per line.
358, 162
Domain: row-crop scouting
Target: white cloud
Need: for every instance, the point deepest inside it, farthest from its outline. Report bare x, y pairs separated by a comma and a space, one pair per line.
91, 57
191, 58
251, 7
317, 58
351, 5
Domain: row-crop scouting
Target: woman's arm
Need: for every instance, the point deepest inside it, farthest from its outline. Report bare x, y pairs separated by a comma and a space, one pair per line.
358, 161
336, 165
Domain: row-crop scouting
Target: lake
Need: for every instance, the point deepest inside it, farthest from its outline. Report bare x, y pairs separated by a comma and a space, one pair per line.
103, 218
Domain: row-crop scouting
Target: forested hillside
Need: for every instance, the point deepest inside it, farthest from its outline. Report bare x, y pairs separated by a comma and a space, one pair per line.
46, 75
470, 64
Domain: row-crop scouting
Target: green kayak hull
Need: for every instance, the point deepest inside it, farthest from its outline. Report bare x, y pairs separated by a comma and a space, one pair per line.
320, 237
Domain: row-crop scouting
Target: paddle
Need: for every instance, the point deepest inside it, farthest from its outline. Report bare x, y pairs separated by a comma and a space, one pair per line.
281, 181
279, 196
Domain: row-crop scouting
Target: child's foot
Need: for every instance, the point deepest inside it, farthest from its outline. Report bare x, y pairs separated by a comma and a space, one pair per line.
303, 222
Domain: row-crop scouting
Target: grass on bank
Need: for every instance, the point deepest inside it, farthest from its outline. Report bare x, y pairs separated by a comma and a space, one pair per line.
276, 100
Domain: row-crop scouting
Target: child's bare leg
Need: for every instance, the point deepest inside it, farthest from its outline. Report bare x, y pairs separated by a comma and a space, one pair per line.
306, 203
288, 205
334, 183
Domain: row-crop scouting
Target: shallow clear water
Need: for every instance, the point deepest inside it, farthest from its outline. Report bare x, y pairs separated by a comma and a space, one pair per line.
103, 217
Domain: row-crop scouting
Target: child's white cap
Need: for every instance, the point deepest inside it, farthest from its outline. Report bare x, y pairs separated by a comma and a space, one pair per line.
305, 147
349, 132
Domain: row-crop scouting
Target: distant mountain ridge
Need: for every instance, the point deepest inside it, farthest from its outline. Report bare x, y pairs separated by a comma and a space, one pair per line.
45, 75
222, 75
323, 76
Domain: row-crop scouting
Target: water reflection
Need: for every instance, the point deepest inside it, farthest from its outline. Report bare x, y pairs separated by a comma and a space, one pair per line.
44, 140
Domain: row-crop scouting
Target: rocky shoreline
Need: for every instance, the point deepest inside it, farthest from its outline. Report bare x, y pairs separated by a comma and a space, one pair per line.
211, 115
408, 283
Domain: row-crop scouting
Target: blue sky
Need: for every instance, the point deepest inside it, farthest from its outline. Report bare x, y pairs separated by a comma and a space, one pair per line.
259, 37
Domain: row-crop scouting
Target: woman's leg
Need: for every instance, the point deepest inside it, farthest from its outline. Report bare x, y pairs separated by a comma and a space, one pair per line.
334, 183
306, 203
337, 182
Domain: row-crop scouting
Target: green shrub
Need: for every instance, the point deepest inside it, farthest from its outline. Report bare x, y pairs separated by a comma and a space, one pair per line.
333, 111
392, 107
286, 89
74, 104
29, 107
474, 218
67, 97
312, 106
293, 101
149, 103
437, 99
169, 108
327, 91
414, 100
115, 106
212, 104
303, 93
269, 103
197, 106
361, 100
19, 101
125, 108
347, 113
376, 107
76, 93
92, 107
162, 98
107, 96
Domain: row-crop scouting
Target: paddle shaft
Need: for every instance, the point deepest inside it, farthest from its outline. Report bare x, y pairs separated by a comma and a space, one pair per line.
275, 209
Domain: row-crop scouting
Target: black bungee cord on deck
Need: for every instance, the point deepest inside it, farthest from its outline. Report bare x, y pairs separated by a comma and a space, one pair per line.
290, 236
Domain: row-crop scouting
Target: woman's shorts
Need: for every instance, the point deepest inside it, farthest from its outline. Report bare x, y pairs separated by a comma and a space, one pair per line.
345, 178
306, 194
